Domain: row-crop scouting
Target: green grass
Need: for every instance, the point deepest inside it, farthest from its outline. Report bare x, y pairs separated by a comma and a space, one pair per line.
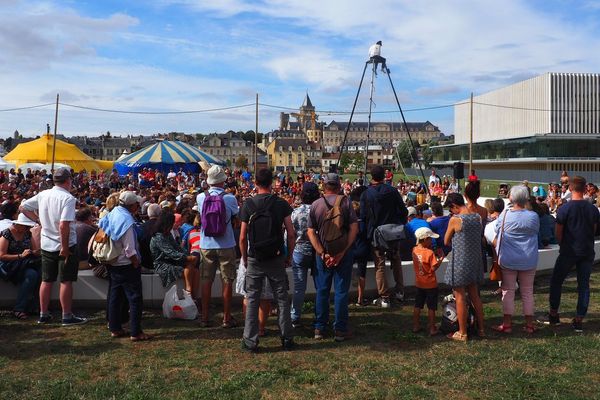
489, 187
385, 360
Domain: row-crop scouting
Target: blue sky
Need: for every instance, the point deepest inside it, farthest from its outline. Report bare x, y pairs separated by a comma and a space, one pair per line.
197, 54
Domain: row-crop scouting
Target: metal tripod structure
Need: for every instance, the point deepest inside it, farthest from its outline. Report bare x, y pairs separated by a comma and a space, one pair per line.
374, 61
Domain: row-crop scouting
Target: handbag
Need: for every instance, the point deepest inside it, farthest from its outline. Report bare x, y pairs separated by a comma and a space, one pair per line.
496, 270
105, 250
386, 237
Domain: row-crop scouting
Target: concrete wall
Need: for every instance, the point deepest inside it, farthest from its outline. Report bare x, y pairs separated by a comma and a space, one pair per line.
494, 123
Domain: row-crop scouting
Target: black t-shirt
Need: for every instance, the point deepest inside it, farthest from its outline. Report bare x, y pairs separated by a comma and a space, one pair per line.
280, 208
578, 218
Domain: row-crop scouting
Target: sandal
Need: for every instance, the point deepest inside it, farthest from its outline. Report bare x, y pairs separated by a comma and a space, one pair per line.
204, 324
141, 337
502, 328
232, 323
459, 337
20, 315
118, 334
434, 332
530, 329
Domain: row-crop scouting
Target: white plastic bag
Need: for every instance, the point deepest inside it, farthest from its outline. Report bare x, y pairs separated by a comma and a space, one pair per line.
175, 307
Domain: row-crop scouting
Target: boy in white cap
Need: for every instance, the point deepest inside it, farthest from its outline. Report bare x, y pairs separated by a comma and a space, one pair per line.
426, 262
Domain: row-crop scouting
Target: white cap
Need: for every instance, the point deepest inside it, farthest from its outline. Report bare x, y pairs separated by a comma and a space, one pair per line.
535, 188
412, 211
424, 233
128, 198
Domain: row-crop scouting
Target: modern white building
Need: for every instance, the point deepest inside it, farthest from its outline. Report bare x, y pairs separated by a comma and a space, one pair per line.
531, 129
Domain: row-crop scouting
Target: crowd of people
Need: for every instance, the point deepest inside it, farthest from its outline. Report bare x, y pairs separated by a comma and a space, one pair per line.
187, 226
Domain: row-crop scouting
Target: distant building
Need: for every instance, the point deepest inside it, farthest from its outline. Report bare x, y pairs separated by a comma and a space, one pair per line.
294, 154
531, 130
228, 147
104, 147
388, 134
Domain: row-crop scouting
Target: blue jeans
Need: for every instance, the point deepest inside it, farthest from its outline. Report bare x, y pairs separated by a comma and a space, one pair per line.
301, 265
27, 278
129, 280
341, 277
562, 267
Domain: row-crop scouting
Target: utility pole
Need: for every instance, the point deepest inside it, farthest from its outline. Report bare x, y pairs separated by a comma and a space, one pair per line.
54, 141
256, 140
471, 138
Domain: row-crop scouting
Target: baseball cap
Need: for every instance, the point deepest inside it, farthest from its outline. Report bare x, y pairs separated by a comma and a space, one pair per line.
128, 198
332, 178
423, 233
61, 175
412, 211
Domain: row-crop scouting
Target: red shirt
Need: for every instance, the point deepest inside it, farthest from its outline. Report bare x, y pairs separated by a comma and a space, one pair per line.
473, 178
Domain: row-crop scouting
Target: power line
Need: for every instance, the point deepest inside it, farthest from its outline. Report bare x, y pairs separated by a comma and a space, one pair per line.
27, 108
158, 112
331, 112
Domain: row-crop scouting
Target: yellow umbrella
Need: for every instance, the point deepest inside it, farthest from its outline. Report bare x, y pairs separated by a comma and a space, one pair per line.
40, 151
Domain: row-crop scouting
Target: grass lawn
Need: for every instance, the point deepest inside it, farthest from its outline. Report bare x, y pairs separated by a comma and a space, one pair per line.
489, 187
384, 361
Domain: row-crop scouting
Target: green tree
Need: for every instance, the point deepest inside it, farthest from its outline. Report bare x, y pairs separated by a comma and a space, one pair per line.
404, 153
427, 154
358, 161
249, 136
345, 161
241, 162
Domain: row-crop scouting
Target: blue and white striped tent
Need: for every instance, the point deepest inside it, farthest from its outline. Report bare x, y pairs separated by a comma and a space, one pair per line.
165, 155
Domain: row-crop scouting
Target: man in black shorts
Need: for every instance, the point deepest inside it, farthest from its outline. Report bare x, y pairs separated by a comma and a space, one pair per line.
54, 209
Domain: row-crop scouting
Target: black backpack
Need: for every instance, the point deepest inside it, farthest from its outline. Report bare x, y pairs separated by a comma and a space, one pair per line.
265, 235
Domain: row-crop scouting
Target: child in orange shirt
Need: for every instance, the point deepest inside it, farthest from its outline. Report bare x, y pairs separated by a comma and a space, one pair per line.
426, 262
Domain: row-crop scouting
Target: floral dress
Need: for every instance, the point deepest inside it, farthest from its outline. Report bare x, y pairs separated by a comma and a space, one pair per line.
169, 258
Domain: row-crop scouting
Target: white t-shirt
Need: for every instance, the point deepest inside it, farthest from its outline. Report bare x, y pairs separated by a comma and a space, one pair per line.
490, 231
433, 179
374, 50
53, 206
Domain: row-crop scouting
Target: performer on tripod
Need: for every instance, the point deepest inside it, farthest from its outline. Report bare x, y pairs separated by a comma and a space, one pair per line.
375, 55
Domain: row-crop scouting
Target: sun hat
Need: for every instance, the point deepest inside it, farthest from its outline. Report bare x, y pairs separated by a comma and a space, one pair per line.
423, 233
22, 219
216, 175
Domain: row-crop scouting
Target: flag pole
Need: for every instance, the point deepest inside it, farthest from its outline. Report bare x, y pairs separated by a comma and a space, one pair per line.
54, 140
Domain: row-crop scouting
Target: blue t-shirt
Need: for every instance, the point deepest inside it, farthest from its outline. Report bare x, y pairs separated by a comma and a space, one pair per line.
578, 218
440, 225
412, 227
517, 245
226, 241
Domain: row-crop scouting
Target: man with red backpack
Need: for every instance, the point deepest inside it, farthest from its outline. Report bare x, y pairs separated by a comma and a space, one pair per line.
217, 210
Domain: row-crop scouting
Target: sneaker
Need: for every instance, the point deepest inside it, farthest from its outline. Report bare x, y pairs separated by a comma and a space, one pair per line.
382, 302
248, 349
341, 336
577, 325
400, 296
287, 344
318, 334
549, 319
296, 324
74, 321
46, 319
